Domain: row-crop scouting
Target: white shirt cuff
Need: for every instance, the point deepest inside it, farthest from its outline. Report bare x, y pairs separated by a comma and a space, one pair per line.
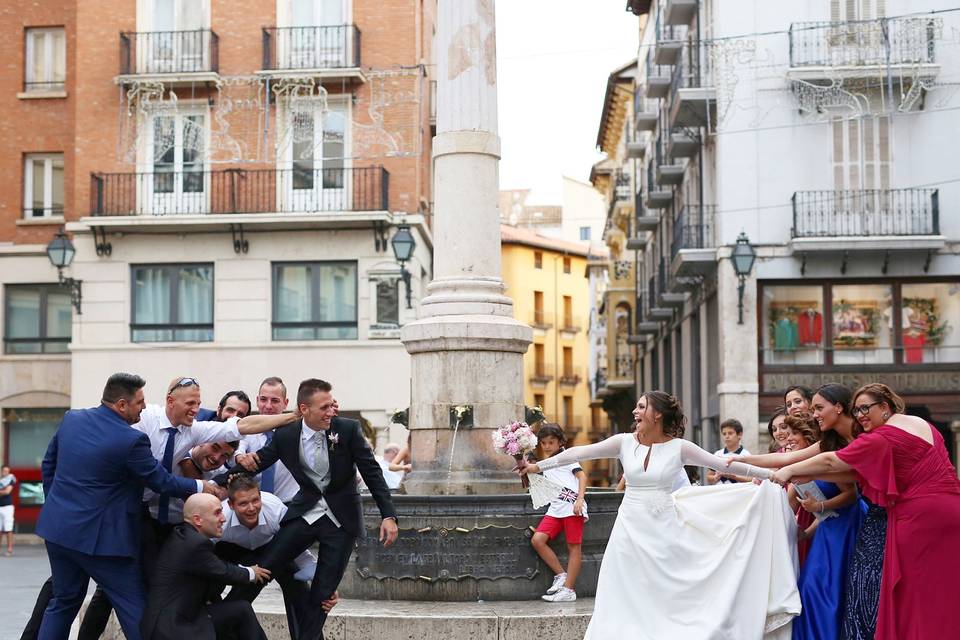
199, 486
253, 576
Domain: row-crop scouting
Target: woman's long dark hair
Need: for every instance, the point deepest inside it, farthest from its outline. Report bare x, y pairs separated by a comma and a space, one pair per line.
841, 395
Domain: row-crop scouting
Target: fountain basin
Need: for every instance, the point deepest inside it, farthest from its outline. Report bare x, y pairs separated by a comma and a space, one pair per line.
470, 548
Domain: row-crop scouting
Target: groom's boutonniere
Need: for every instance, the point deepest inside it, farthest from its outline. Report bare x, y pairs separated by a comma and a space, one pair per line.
334, 439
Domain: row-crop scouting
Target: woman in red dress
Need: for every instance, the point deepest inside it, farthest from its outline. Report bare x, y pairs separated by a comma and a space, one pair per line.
903, 466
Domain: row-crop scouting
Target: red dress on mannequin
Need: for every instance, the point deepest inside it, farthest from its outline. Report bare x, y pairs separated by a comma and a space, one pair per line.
919, 487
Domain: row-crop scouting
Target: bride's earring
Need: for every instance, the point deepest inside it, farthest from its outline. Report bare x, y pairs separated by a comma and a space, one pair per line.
885, 415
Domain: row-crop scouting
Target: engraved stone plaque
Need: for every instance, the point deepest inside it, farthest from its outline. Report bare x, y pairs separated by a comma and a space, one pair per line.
436, 553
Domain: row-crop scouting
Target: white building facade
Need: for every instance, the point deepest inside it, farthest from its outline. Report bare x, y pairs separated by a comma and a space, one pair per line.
823, 132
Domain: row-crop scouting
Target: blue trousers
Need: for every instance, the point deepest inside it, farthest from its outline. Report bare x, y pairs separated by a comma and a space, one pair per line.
118, 576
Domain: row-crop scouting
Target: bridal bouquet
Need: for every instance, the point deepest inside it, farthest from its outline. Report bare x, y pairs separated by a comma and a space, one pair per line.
515, 439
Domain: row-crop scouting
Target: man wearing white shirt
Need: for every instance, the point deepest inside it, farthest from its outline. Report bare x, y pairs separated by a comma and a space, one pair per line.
271, 400
252, 520
173, 432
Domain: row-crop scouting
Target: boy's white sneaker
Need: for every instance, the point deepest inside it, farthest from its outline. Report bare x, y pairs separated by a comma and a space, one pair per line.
563, 594
558, 581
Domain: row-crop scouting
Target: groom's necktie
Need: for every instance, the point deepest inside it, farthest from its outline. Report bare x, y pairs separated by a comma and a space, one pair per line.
267, 477
321, 463
163, 512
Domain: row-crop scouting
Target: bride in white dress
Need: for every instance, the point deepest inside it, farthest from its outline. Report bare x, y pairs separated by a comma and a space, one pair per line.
701, 563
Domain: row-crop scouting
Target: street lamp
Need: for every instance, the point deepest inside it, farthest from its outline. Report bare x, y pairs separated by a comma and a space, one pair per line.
403, 245
60, 251
743, 257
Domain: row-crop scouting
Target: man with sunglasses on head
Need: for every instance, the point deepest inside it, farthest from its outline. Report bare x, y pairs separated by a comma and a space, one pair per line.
173, 431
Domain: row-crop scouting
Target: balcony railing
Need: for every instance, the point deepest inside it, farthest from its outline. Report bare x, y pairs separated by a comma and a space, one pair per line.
695, 70
329, 47
570, 375
541, 319
227, 191
622, 191
151, 52
866, 212
540, 374
571, 324
862, 43
694, 228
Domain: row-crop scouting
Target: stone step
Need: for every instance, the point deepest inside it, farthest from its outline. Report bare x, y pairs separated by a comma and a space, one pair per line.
405, 620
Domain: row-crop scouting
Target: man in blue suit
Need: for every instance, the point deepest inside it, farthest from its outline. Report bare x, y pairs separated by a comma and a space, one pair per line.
94, 472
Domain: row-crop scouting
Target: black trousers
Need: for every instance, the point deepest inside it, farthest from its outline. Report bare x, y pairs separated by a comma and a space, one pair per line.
295, 593
333, 554
32, 629
152, 536
235, 621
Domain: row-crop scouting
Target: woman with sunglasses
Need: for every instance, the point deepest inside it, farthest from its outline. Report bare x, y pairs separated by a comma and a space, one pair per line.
903, 465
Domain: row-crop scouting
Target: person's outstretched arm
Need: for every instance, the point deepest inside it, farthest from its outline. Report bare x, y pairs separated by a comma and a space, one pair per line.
609, 448
777, 460
692, 454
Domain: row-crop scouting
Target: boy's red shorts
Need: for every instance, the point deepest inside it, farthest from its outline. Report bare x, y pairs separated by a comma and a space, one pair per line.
572, 527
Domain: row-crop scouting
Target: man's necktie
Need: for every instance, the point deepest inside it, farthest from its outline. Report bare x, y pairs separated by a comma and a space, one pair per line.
163, 512
321, 464
267, 477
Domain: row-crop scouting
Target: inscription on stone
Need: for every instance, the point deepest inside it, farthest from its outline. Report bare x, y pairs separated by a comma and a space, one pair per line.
435, 553
902, 381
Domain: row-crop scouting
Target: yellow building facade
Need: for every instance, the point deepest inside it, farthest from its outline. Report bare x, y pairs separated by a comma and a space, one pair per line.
547, 280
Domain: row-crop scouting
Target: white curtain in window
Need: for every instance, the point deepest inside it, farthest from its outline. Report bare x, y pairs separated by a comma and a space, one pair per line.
59, 315
23, 313
195, 296
294, 299
151, 296
338, 293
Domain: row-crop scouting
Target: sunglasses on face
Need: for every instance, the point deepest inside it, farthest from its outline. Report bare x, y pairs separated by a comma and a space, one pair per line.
864, 408
184, 382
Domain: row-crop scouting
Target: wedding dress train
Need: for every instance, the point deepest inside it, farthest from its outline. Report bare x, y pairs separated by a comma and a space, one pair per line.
701, 563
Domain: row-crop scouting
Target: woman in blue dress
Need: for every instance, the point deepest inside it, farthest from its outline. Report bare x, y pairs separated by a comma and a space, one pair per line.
823, 578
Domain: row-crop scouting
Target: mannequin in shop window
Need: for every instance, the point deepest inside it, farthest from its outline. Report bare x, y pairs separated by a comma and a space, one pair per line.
810, 327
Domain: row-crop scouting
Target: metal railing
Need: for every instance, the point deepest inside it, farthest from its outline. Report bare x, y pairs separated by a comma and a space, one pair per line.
228, 191
908, 40
570, 375
321, 47
694, 228
542, 318
695, 70
571, 323
622, 189
144, 52
866, 212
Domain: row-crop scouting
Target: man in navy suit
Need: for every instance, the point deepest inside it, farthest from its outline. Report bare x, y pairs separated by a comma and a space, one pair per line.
94, 472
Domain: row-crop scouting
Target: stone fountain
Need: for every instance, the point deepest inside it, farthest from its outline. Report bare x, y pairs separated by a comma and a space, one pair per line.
466, 522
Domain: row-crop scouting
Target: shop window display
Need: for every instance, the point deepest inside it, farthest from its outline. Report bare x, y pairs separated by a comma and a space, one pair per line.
862, 324
793, 326
926, 311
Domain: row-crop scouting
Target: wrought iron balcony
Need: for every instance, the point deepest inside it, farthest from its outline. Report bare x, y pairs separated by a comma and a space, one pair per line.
229, 191
866, 213
894, 41
658, 78
693, 97
570, 375
313, 48
169, 52
694, 228
541, 319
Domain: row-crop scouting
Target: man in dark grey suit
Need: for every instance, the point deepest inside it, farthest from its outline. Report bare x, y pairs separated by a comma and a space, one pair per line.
323, 454
184, 599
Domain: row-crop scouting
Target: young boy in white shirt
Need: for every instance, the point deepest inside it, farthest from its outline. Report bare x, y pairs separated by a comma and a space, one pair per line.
731, 432
567, 513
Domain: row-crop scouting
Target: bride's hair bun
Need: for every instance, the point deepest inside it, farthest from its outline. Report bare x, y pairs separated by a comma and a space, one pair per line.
674, 422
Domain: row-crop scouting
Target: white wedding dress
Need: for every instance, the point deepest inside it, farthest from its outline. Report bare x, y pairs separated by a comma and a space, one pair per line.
701, 563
